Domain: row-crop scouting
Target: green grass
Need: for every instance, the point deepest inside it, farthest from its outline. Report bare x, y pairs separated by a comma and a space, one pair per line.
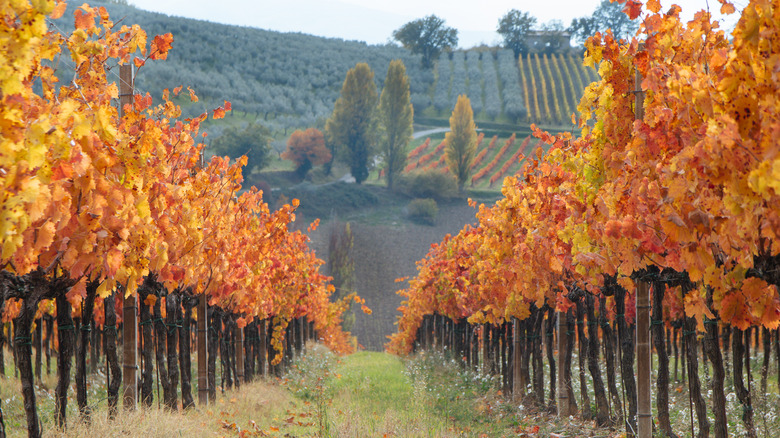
370, 394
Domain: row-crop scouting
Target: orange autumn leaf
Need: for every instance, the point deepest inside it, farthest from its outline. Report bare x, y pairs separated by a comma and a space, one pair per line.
726, 7
84, 18
58, 10
161, 44
150, 300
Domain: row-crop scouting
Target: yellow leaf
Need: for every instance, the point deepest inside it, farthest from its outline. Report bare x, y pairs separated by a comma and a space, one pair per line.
104, 290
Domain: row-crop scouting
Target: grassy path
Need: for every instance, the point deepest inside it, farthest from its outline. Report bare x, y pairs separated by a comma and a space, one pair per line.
372, 396
367, 394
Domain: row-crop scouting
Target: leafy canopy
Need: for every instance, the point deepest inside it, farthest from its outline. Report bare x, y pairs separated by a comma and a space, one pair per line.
607, 15
253, 141
461, 141
428, 37
352, 126
306, 149
514, 28
396, 116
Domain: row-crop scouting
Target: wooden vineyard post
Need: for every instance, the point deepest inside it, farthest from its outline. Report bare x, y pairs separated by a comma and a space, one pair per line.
644, 413
129, 305
239, 346
563, 341
203, 385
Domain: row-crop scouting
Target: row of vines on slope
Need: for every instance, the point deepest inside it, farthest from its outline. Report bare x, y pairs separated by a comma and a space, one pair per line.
101, 203
676, 190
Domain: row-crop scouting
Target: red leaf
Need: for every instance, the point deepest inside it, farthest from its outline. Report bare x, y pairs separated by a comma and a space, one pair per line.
633, 8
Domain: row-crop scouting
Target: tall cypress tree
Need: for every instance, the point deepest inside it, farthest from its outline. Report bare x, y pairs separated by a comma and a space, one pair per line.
461, 141
395, 120
352, 126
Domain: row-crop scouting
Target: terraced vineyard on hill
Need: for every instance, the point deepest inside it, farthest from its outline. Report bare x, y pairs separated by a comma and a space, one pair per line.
530, 89
496, 158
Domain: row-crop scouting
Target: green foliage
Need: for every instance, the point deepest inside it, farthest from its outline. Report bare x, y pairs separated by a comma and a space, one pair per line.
423, 211
322, 200
514, 28
254, 141
396, 116
289, 80
341, 265
352, 126
461, 141
430, 183
427, 36
306, 149
607, 15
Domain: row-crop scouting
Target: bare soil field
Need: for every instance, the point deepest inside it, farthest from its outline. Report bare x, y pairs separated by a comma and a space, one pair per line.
386, 246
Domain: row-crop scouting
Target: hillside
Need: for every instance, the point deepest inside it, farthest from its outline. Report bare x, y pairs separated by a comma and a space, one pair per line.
291, 80
287, 80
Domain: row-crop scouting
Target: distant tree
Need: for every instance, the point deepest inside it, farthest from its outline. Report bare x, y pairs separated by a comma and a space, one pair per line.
461, 141
582, 28
351, 127
253, 141
306, 149
395, 120
427, 36
607, 15
514, 27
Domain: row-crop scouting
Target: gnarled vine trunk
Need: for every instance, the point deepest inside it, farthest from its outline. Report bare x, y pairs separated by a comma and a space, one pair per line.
148, 288
215, 328
626, 354
113, 371
65, 334
87, 308
609, 355
694, 387
160, 347
662, 379
743, 394
188, 302
172, 322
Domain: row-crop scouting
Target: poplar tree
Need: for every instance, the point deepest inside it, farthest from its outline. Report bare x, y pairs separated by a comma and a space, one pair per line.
395, 120
461, 142
352, 126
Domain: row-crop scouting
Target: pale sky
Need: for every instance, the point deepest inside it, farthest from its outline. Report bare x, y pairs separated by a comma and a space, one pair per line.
373, 21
